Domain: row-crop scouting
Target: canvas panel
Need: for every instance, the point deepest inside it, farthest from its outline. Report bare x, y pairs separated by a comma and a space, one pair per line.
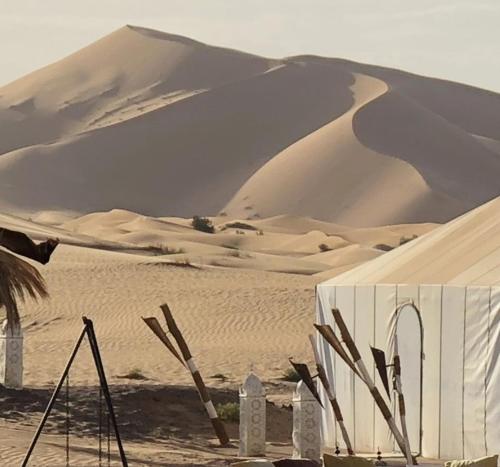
344, 377
493, 376
476, 354
430, 312
325, 300
407, 293
385, 304
452, 366
365, 336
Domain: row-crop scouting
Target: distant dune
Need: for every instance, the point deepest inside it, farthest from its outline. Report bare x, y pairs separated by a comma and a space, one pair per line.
164, 125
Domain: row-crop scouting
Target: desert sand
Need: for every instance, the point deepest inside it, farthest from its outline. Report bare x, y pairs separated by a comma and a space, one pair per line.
152, 122
306, 166
244, 297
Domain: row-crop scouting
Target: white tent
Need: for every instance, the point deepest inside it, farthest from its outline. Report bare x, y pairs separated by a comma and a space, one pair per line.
446, 286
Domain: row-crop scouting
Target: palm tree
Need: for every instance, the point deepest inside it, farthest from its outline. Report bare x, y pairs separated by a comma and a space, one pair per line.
18, 281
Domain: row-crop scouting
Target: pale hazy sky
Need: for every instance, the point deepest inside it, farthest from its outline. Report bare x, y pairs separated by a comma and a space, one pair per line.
457, 40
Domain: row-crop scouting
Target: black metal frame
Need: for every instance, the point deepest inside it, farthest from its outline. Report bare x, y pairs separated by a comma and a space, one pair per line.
88, 330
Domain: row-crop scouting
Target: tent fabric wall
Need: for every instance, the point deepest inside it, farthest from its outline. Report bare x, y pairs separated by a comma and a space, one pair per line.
461, 368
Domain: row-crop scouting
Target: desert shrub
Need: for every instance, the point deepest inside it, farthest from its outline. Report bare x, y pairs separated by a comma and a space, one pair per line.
229, 412
383, 247
404, 240
240, 225
219, 376
324, 247
135, 373
291, 375
203, 224
260, 232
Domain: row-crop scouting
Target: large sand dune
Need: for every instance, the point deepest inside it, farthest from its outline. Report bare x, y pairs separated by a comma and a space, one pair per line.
164, 125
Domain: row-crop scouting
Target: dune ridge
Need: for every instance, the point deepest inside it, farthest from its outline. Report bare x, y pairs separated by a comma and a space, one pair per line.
167, 126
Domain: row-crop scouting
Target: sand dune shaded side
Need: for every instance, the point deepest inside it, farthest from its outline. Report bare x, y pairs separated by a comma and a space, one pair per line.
115, 73
448, 158
187, 158
330, 175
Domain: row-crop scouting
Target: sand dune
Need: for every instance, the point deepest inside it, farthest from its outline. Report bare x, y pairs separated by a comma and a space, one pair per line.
167, 126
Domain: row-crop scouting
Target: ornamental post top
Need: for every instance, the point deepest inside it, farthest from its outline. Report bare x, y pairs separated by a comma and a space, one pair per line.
252, 386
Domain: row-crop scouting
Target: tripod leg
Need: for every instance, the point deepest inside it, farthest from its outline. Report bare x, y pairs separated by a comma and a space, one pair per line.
53, 398
104, 385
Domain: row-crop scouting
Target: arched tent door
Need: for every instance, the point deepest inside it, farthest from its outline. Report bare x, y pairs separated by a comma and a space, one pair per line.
407, 325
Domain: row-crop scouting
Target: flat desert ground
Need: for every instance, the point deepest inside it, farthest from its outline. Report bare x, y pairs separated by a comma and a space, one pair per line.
243, 297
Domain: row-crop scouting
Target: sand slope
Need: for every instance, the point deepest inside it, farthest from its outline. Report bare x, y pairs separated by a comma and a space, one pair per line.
164, 125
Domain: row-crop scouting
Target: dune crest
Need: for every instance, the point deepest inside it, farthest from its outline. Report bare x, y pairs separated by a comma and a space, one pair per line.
165, 125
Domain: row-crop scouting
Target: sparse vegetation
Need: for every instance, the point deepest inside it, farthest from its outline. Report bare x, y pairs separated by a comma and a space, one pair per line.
383, 247
324, 247
291, 375
404, 240
239, 225
203, 224
229, 412
219, 376
135, 373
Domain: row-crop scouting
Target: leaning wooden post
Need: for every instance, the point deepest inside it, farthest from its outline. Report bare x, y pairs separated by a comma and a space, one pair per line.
252, 418
401, 400
306, 420
219, 428
11, 354
356, 357
330, 392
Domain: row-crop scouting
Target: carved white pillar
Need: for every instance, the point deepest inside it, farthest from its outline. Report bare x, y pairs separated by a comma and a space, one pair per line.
11, 355
306, 425
252, 417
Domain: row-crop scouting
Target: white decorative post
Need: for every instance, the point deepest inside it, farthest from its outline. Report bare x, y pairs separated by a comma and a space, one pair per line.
252, 418
11, 355
306, 425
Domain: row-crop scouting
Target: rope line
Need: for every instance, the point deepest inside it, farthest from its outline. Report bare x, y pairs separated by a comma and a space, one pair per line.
100, 426
67, 420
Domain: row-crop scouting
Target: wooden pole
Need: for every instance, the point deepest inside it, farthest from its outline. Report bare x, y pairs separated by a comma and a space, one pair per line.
358, 361
217, 424
330, 392
155, 326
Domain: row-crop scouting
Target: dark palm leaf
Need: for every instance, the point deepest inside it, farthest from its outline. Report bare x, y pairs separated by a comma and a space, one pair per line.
18, 281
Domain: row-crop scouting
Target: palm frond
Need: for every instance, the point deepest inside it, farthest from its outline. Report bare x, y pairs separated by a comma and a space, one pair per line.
18, 281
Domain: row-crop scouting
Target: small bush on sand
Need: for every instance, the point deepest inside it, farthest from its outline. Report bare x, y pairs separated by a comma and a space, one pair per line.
229, 412
219, 376
203, 224
240, 225
383, 247
135, 373
324, 247
291, 375
404, 240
